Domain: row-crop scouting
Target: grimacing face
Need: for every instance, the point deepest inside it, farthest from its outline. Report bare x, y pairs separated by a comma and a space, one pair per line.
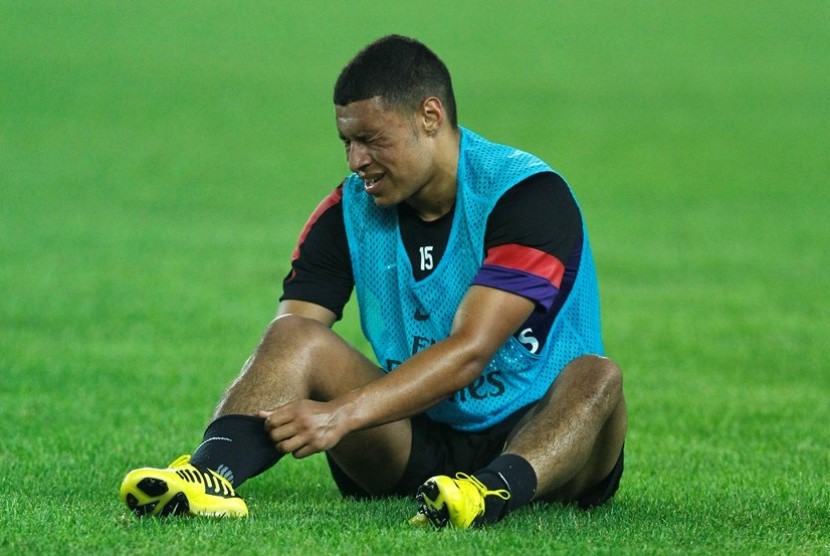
387, 149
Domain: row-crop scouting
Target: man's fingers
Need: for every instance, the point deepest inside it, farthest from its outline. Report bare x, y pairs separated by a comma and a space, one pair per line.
276, 417
282, 433
305, 451
294, 445
294, 428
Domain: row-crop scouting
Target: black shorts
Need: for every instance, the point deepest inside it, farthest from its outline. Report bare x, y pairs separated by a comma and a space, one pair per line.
438, 449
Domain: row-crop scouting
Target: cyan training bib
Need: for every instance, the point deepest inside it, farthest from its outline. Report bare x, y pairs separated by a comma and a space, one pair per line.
401, 316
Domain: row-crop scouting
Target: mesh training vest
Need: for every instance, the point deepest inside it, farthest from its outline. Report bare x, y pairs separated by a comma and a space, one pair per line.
400, 316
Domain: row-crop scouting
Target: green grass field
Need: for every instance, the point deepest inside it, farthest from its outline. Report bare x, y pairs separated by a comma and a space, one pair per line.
157, 161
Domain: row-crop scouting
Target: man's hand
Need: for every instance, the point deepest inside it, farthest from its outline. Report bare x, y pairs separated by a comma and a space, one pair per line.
304, 427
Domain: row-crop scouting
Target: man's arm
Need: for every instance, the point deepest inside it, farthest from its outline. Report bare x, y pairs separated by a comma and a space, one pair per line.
486, 318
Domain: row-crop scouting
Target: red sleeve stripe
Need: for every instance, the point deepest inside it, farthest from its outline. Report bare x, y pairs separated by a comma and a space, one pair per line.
332, 199
527, 259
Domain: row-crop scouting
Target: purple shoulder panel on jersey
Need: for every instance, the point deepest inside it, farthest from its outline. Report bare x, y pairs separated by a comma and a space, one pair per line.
525, 284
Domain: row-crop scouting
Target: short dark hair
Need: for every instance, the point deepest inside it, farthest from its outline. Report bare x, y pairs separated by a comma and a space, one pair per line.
400, 70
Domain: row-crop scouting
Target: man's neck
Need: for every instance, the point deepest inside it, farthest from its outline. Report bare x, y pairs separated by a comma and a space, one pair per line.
438, 197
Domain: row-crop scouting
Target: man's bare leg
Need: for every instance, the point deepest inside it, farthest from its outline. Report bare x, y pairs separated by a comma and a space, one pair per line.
300, 358
574, 435
565, 446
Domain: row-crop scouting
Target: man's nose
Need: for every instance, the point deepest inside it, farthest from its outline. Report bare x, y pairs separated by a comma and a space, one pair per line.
358, 156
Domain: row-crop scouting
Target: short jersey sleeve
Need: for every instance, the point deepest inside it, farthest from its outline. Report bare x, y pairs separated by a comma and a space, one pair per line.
321, 269
531, 234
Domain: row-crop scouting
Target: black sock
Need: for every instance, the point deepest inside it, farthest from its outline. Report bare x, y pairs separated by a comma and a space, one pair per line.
236, 447
512, 473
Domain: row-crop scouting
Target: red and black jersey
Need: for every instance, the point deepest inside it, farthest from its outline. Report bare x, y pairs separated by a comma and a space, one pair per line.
532, 245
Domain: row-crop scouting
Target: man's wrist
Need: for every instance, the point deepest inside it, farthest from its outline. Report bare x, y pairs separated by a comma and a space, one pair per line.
348, 413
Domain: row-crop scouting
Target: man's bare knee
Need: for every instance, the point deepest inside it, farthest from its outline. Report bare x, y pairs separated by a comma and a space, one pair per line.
601, 376
280, 368
293, 333
610, 377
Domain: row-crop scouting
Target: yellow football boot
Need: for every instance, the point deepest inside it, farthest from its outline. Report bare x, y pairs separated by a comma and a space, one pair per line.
456, 502
180, 489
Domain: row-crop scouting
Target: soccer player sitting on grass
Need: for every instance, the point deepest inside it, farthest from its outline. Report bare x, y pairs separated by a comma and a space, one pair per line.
478, 293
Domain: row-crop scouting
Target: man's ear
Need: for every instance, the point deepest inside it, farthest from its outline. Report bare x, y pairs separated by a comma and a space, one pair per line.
432, 115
